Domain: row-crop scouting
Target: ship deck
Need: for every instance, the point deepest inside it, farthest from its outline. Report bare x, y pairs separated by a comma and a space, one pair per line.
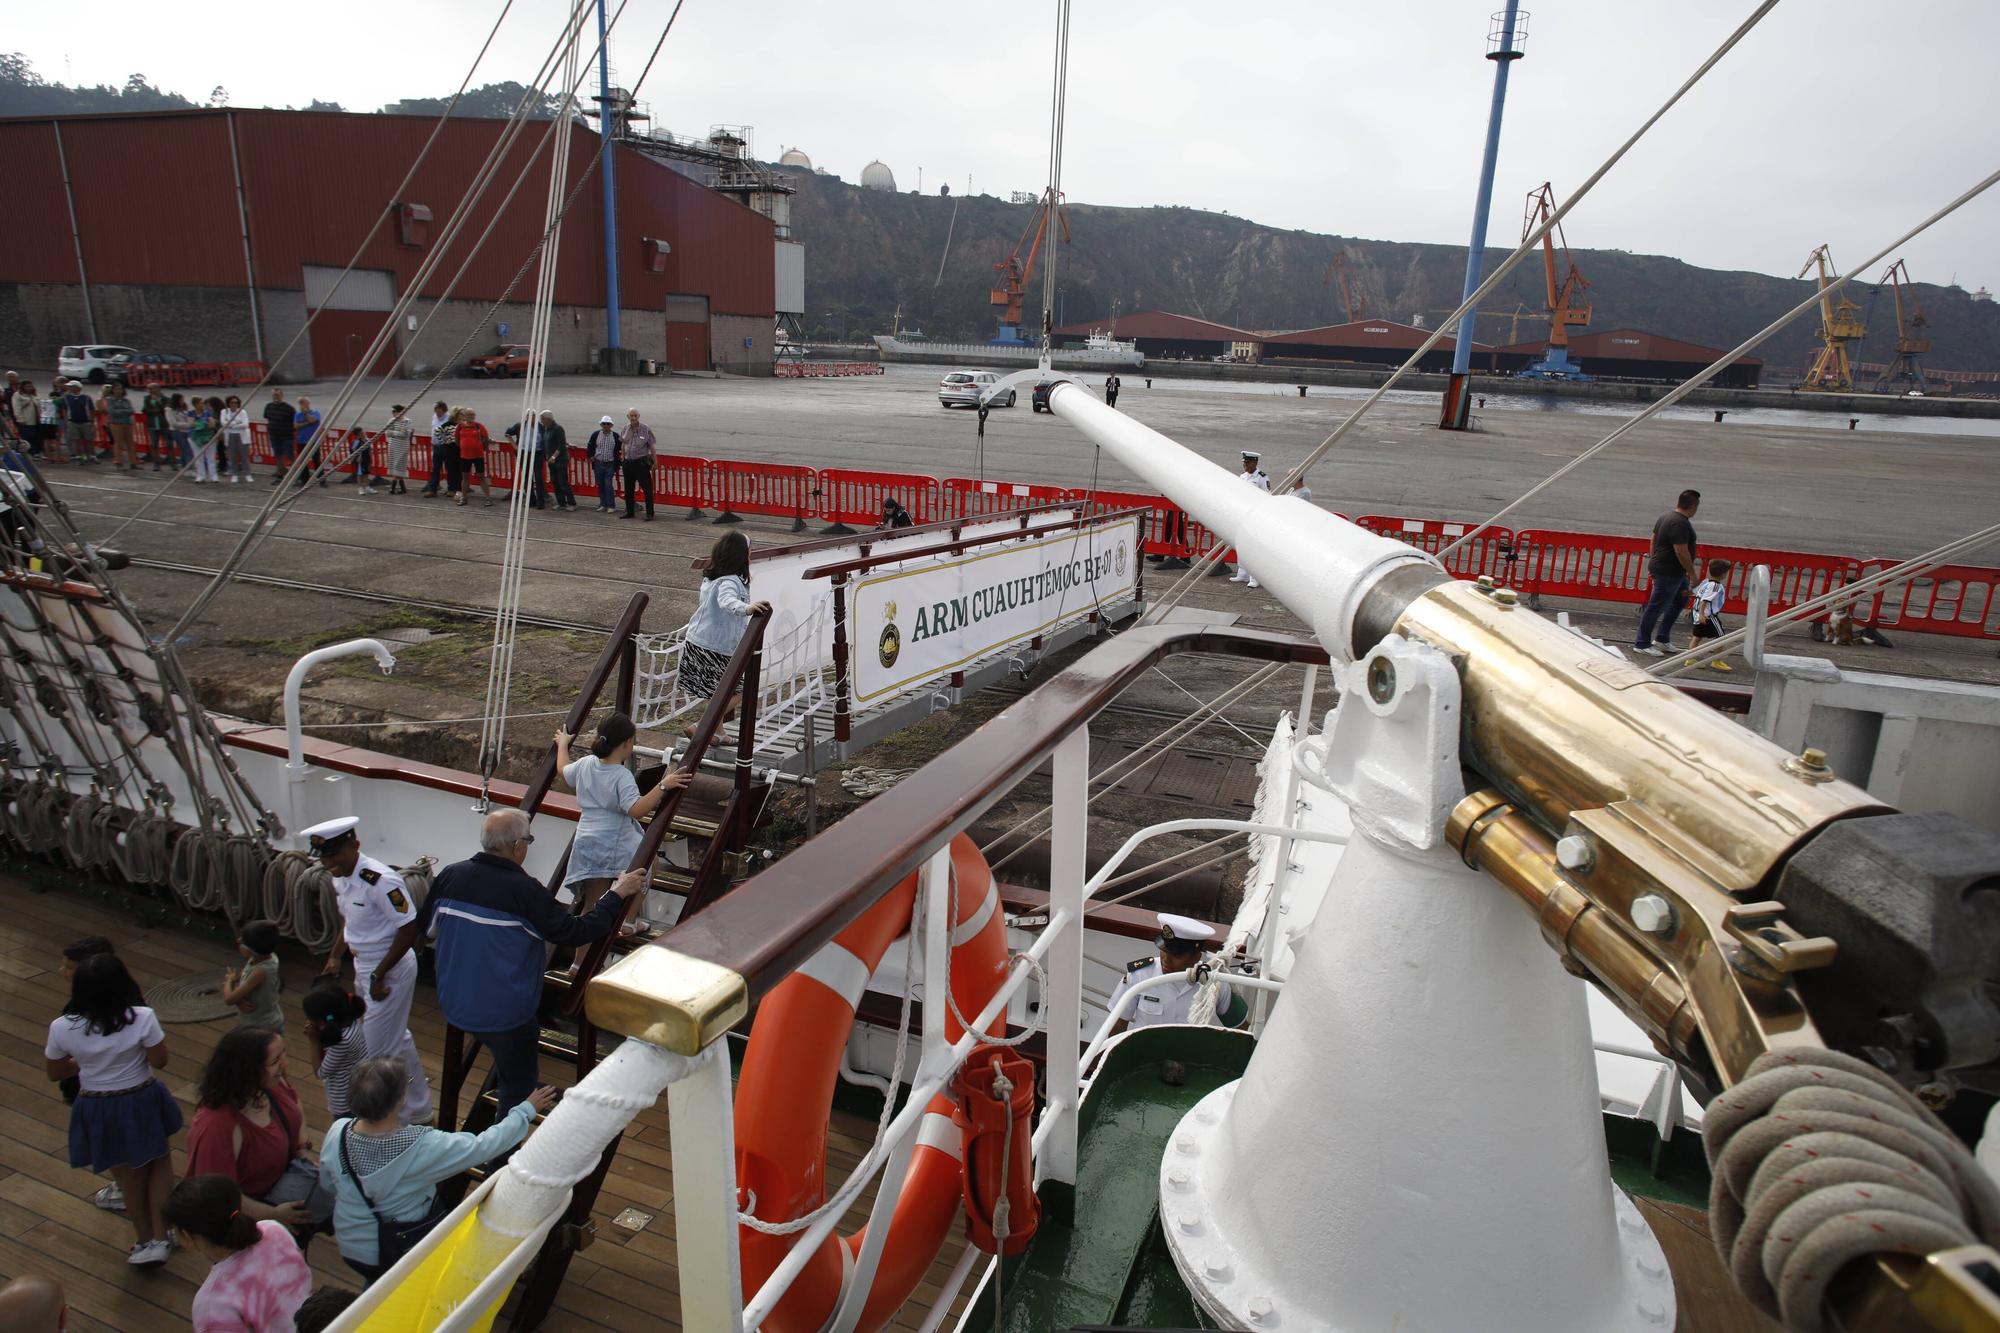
626, 1280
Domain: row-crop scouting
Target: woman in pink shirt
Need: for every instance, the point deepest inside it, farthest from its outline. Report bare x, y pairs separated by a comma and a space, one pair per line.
258, 1279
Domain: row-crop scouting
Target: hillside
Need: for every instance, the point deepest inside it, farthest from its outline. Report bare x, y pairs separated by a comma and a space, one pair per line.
867, 251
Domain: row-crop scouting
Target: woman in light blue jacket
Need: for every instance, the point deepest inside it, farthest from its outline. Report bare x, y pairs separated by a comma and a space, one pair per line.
384, 1174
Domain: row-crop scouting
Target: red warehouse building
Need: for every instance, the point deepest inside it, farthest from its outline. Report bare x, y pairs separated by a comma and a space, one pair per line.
212, 233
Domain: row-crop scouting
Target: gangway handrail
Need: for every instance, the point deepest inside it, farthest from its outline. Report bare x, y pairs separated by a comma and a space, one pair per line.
958, 544
771, 924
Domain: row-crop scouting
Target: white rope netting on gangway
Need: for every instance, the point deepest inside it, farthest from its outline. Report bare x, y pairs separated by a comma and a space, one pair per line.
795, 681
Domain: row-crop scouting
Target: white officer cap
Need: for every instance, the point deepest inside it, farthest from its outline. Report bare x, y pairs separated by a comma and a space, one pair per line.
330, 837
1184, 931
1251, 456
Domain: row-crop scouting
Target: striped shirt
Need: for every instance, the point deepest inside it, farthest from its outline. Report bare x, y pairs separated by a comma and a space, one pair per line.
336, 1067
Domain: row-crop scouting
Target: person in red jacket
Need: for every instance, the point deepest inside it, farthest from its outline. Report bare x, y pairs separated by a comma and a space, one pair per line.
472, 445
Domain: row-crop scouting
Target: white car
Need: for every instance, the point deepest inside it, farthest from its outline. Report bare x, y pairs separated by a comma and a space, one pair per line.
90, 361
964, 388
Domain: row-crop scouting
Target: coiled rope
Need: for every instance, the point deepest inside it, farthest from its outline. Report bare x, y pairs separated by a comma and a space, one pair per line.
1817, 1159
35, 818
143, 851
196, 874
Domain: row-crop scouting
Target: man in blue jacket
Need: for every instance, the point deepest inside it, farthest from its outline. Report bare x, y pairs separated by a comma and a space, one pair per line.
493, 923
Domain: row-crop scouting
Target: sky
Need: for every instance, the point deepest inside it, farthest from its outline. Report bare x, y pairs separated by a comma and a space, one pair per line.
1834, 121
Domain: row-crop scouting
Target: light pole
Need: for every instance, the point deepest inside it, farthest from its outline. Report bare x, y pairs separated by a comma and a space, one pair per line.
1503, 47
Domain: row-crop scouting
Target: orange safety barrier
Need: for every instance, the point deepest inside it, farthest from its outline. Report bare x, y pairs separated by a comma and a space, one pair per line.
1490, 553
682, 479
1170, 531
812, 370
1962, 600
964, 497
194, 373
849, 496
783, 489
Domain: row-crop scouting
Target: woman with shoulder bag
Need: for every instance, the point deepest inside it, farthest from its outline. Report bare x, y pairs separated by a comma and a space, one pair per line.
248, 1126
384, 1174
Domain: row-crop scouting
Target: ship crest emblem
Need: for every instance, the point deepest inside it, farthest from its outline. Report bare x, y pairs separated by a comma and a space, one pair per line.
1118, 560
890, 646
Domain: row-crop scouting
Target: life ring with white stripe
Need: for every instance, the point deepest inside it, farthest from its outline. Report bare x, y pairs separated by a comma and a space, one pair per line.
784, 1094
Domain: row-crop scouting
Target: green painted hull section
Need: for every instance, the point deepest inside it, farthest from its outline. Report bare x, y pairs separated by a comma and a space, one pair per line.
1109, 1266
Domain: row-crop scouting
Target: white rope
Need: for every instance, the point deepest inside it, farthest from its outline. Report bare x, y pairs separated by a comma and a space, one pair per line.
1034, 965
500, 665
1701, 377
1187, 581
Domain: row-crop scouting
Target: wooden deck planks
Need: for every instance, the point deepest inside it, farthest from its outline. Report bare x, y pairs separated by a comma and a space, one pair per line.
624, 1281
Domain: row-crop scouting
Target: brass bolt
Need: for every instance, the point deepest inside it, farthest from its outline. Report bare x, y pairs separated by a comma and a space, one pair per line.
1486, 583
1505, 596
1812, 757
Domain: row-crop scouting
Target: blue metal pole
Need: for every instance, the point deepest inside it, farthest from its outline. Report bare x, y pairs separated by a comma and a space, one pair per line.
1475, 253
605, 119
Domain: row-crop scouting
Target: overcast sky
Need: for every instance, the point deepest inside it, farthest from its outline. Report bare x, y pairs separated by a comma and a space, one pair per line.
1836, 120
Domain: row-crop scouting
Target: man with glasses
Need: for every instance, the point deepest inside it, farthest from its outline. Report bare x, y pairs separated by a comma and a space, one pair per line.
378, 924
493, 925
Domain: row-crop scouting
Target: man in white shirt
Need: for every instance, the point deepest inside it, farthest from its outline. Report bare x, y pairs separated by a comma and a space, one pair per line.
378, 924
1179, 941
1255, 476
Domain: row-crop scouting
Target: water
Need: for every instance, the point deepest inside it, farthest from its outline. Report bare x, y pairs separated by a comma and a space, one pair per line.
1505, 401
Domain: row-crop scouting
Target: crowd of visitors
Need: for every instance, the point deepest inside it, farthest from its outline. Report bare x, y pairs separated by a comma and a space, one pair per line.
210, 439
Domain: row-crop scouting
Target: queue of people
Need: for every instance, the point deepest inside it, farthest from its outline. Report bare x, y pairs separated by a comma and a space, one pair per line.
209, 437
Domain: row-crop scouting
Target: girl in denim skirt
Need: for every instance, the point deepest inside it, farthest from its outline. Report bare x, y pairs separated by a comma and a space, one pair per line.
109, 1041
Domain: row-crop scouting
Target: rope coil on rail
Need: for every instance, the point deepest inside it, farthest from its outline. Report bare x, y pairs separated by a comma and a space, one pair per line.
1818, 1159
143, 851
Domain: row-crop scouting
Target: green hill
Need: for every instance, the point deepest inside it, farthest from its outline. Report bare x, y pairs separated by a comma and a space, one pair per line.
869, 251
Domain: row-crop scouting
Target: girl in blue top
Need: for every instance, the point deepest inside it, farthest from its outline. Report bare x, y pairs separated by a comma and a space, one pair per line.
719, 621
607, 830
382, 1171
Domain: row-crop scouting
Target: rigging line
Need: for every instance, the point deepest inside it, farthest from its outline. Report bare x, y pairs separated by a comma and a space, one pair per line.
1161, 883
1188, 581
1688, 385
1913, 568
1197, 698
503, 145
1058, 115
500, 665
381, 219
230, 568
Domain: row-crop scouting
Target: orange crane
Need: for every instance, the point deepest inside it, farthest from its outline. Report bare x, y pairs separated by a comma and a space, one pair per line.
1565, 304
1911, 342
1839, 326
1014, 271
1356, 305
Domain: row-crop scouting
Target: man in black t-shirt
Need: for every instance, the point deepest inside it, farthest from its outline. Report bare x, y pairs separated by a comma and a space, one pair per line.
1672, 568
281, 426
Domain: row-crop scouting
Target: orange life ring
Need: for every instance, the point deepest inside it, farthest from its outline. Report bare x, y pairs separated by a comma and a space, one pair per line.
784, 1093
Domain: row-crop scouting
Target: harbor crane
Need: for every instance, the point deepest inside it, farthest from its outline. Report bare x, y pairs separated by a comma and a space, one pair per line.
1840, 326
1355, 304
1565, 292
1911, 340
1013, 272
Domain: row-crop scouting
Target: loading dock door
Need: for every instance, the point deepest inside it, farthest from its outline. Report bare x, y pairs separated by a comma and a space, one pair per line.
347, 320
687, 333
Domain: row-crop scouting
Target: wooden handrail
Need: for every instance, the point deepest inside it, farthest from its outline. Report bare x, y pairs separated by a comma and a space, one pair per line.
766, 927
613, 658
741, 673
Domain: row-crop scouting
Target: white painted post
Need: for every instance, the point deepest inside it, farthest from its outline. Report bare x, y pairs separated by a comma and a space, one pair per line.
702, 1118
1271, 937
934, 891
1062, 1000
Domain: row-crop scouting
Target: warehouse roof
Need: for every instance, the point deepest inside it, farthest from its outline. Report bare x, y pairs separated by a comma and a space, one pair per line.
1367, 333
1165, 324
1633, 345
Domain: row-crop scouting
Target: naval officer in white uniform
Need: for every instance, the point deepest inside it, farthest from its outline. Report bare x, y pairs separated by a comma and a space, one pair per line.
1180, 943
378, 924
1255, 476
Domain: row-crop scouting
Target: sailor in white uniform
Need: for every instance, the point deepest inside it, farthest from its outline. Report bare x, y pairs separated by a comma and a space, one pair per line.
1255, 476
1179, 941
378, 924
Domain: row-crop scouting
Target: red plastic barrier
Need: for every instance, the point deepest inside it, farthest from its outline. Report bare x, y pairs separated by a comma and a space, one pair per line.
1591, 565
1169, 530
849, 496
1962, 600
812, 370
783, 489
964, 497
1490, 553
195, 373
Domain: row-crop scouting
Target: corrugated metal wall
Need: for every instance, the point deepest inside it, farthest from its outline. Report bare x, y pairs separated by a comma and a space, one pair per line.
156, 204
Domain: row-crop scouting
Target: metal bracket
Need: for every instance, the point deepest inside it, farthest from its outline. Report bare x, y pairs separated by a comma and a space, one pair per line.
1762, 929
1390, 748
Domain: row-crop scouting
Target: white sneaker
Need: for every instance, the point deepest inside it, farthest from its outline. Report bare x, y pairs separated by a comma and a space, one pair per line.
111, 1199
1649, 651
1238, 576
364, 490
1252, 581
151, 1254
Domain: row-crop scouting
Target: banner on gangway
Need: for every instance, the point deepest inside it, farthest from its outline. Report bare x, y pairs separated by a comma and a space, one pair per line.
915, 622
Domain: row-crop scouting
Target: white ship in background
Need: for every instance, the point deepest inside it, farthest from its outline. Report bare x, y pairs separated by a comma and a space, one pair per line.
1099, 351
